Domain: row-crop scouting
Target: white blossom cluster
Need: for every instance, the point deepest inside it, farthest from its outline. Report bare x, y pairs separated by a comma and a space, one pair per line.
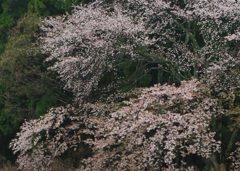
223, 78
40, 140
157, 130
235, 158
165, 124
216, 9
90, 41
86, 43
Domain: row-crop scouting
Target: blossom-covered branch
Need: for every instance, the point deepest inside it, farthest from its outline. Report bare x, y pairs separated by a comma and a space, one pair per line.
89, 42
158, 130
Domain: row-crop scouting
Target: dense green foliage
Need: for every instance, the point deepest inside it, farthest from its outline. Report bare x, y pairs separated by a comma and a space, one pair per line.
27, 89
12, 10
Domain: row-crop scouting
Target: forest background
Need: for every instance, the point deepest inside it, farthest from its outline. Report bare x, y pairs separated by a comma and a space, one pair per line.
27, 89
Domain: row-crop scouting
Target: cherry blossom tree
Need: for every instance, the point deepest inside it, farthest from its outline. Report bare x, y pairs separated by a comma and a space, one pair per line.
185, 37
86, 43
157, 130
164, 125
41, 140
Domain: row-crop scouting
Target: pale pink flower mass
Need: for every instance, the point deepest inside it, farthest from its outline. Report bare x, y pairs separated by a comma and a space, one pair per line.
163, 125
